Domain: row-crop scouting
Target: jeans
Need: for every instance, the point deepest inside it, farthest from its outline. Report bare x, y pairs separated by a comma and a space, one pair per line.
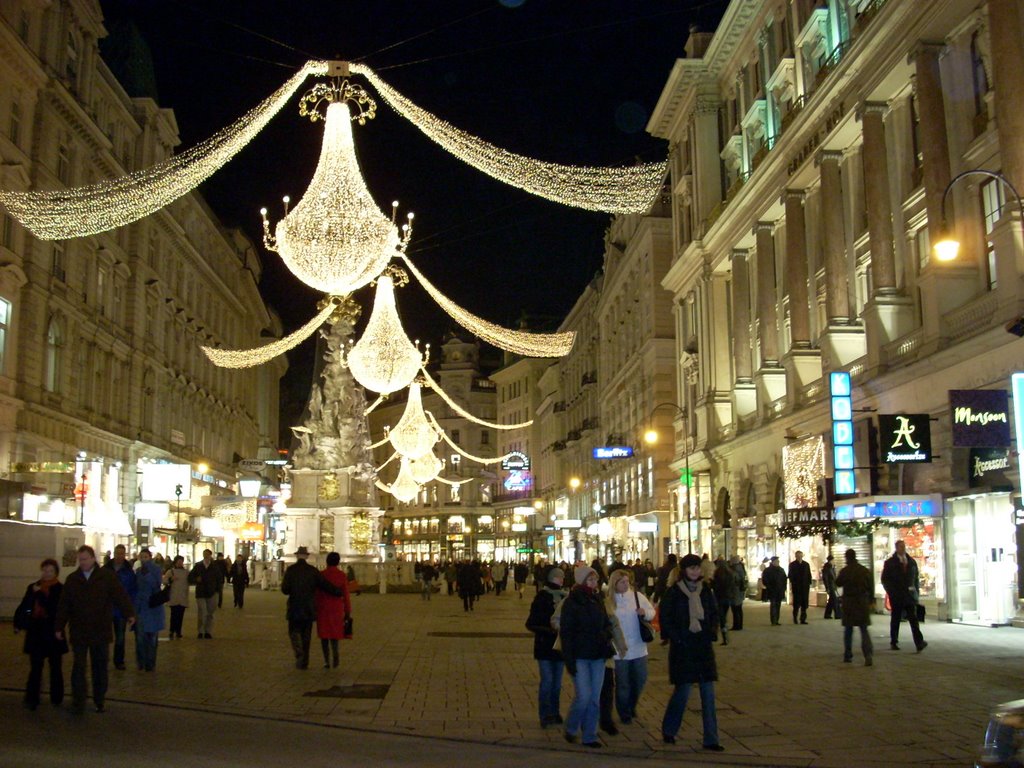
774, 609
585, 708
177, 616
119, 630
204, 619
550, 691
630, 679
898, 610
145, 649
35, 677
865, 641
673, 719
98, 655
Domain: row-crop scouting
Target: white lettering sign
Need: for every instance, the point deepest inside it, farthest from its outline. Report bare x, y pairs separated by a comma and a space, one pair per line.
981, 467
968, 416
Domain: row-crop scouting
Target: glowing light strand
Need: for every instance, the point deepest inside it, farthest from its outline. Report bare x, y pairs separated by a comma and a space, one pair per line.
453, 482
519, 342
247, 358
463, 412
86, 210
455, 446
612, 190
372, 406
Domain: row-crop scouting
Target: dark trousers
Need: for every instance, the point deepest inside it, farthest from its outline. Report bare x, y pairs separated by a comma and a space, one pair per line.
800, 607
239, 589
35, 678
737, 616
607, 698
723, 616
774, 609
910, 610
329, 646
467, 602
119, 630
177, 616
300, 632
832, 607
98, 656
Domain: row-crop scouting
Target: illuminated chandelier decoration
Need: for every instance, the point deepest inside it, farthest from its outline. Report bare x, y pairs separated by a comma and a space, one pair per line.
87, 210
404, 488
413, 436
425, 468
384, 360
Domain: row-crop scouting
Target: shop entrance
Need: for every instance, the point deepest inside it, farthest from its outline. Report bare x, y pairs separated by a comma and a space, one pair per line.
984, 561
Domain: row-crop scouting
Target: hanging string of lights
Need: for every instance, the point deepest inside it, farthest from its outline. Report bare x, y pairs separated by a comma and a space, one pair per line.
462, 411
247, 358
373, 406
453, 482
611, 190
519, 342
86, 210
458, 449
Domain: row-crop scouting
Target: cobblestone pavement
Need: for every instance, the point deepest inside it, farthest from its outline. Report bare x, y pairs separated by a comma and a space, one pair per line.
785, 698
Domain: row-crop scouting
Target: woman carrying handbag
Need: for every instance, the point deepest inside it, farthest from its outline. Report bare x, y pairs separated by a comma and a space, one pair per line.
35, 616
633, 611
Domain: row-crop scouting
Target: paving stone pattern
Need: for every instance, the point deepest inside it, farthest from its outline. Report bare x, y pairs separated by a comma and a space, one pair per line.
784, 698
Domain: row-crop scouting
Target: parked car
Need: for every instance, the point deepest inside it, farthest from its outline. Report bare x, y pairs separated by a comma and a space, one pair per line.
1004, 737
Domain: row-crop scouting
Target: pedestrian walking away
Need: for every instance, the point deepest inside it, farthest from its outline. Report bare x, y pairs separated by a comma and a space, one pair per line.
520, 575
901, 581
629, 606
333, 612
586, 630
149, 619
239, 578
664, 574
739, 591
723, 584
689, 620
549, 659
123, 570
828, 580
177, 577
800, 584
858, 601
774, 580
208, 578
36, 617
86, 610
301, 582
225, 571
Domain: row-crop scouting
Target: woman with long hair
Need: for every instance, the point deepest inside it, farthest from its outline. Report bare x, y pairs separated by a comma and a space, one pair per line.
35, 616
629, 606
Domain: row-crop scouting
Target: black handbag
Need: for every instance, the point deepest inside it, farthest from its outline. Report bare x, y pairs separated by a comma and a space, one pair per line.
646, 630
23, 616
348, 626
159, 598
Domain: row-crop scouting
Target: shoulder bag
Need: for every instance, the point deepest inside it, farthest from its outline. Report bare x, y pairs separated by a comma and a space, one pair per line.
646, 630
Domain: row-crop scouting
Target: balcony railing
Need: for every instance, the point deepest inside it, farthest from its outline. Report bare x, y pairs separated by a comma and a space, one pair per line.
592, 423
831, 61
867, 14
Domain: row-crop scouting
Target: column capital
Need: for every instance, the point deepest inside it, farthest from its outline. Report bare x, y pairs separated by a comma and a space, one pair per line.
828, 156
740, 253
872, 108
932, 47
798, 195
761, 226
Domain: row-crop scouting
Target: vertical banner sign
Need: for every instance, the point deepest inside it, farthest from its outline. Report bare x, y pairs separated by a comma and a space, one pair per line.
842, 433
1017, 385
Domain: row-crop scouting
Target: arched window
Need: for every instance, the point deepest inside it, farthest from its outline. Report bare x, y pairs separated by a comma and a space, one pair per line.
54, 354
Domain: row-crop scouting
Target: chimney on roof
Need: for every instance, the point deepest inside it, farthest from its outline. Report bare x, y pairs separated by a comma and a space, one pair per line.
697, 42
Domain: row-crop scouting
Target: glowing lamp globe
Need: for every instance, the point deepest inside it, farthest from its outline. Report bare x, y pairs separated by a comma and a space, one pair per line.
384, 360
425, 468
335, 239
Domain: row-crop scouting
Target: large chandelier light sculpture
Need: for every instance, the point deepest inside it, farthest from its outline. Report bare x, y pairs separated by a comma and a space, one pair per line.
404, 488
413, 436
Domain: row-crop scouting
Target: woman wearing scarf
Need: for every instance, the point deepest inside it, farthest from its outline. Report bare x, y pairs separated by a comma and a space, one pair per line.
36, 616
628, 606
586, 632
549, 658
689, 620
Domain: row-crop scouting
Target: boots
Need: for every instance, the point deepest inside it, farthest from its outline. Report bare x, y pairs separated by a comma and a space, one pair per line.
324, 646
334, 652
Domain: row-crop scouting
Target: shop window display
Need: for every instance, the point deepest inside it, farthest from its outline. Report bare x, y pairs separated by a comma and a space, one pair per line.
923, 544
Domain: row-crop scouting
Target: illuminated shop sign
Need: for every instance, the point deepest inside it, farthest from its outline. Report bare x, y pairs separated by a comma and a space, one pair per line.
803, 465
905, 438
516, 461
981, 418
922, 506
841, 390
559, 524
1017, 385
988, 466
804, 516
613, 452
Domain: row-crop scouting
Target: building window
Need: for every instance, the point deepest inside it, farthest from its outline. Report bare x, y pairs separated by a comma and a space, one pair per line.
455, 436
923, 247
59, 261
101, 290
14, 125
5, 320
7, 233
24, 26
485, 437
486, 493
54, 345
64, 163
978, 77
992, 201
71, 60
915, 137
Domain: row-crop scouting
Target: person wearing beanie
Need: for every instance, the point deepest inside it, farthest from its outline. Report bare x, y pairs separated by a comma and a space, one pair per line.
629, 606
549, 658
585, 631
689, 619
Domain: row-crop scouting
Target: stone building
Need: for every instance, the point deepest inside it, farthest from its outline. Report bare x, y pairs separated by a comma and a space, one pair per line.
817, 153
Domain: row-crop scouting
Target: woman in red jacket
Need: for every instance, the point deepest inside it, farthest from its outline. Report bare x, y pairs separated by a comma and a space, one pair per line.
332, 612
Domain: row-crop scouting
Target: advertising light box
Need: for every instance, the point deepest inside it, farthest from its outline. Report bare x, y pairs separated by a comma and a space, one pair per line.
160, 481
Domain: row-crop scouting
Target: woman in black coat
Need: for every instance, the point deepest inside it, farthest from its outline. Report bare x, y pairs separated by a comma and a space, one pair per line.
689, 620
36, 616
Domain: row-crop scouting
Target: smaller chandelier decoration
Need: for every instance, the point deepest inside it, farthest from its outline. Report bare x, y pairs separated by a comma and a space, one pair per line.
413, 436
384, 360
425, 468
404, 488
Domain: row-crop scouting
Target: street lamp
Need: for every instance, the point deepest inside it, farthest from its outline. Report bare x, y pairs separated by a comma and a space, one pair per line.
651, 438
948, 247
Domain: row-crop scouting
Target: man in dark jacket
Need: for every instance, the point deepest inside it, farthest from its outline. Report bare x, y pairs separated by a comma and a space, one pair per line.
800, 583
774, 581
520, 574
86, 607
900, 578
239, 579
828, 581
858, 597
549, 660
301, 581
663, 574
123, 570
209, 579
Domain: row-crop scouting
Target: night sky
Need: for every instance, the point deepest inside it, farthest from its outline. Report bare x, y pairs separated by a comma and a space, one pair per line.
570, 81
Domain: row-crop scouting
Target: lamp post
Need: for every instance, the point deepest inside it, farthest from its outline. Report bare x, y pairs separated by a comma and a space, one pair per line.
81, 506
948, 247
651, 438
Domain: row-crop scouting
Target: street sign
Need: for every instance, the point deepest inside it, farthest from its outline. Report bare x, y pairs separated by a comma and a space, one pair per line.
251, 465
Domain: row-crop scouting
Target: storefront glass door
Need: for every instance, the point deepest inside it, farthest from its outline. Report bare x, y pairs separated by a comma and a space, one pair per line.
984, 563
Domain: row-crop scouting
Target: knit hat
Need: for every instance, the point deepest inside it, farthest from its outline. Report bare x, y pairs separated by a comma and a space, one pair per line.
581, 573
689, 560
556, 573
734, 559
775, 558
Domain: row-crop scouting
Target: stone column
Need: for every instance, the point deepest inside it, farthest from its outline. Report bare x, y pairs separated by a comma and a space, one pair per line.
796, 270
876, 196
837, 297
767, 294
1007, 40
931, 113
742, 365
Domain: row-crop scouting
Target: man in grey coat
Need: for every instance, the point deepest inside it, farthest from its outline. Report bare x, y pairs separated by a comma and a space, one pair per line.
858, 598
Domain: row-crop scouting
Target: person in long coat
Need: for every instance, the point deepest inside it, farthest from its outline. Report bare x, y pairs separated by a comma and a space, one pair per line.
774, 580
800, 582
471, 584
858, 597
177, 577
549, 658
36, 615
332, 611
301, 582
739, 591
723, 584
689, 621
149, 621
239, 578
